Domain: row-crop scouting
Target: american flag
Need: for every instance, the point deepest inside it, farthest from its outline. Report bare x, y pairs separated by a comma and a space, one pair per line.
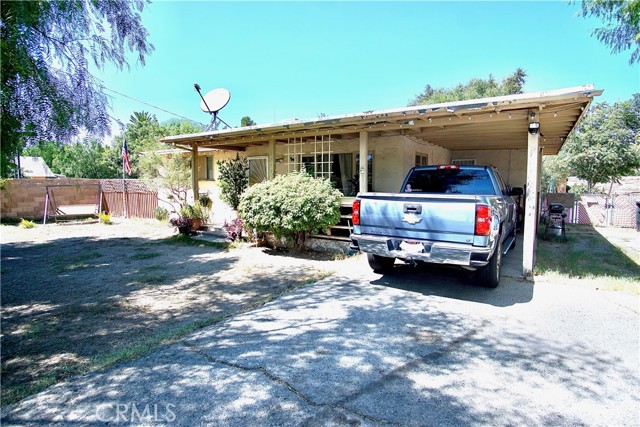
126, 166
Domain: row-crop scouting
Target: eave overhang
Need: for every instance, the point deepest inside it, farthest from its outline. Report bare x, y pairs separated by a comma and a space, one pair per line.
479, 124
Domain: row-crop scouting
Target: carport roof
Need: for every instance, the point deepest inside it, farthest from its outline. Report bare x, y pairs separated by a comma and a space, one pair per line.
478, 124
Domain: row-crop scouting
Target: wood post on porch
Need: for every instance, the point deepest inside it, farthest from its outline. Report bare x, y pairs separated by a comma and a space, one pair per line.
364, 161
271, 162
194, 172
534, 164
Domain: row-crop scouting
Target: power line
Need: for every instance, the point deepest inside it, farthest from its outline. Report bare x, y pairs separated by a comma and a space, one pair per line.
151, 105
134, 99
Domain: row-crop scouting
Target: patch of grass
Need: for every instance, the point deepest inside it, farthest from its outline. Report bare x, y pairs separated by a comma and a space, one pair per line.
150, 278
62, 264
12, 393
145, 255
588, 257
152, 343
181, 239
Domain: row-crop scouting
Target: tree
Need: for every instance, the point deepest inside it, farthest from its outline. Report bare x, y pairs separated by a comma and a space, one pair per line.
246, 121
475, 88
606, 144
233, 179
622, 30
47, 90
172, 173
92, 160
79, 160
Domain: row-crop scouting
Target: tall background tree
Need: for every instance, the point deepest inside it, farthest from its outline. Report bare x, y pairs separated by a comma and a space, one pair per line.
622, 30
604, 147
474, 88
47, 92
606, 144
246, 121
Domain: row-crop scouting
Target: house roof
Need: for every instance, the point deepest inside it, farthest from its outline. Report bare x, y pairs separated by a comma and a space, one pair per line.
487, 124
35, 167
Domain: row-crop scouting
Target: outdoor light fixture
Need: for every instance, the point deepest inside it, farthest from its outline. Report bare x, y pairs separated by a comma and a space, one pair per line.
534, 128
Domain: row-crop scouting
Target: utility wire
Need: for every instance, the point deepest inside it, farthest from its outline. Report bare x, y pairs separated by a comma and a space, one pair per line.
132, 98
151, 105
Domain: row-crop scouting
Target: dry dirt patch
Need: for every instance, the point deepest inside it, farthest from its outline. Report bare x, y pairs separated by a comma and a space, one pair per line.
81, 297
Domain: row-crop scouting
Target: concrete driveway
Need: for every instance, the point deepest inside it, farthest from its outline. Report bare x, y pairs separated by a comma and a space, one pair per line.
419, 347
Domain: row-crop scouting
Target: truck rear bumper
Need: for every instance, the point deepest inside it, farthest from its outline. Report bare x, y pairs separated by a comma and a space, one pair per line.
423, 250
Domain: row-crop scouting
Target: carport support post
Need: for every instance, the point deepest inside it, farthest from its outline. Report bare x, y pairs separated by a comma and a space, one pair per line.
194, 173
364, 163
271, 166
534, 160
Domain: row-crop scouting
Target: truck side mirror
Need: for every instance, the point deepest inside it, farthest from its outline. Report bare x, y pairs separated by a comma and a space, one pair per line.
516, 191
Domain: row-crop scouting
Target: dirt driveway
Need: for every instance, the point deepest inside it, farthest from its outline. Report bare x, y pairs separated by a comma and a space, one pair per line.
81, 297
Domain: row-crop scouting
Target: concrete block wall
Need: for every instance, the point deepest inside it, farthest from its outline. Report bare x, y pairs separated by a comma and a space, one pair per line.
24, 198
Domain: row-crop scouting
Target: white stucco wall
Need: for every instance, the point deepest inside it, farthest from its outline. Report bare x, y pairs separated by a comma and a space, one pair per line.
512, 164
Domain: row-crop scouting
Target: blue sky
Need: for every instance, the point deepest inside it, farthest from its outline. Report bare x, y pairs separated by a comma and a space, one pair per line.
299, 59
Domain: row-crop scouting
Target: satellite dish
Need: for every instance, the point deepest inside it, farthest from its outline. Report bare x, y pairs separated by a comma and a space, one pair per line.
215, 100
212, 103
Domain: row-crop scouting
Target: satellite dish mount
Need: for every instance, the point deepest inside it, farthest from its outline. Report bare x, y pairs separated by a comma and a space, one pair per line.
212, 102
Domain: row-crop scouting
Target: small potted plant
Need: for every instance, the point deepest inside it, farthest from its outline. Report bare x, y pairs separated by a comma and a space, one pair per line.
182, 223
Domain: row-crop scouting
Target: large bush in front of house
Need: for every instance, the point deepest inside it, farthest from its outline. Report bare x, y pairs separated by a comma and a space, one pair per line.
291, 206
233, 178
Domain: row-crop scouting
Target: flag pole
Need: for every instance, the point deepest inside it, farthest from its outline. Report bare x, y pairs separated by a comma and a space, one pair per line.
125, 159
124, 190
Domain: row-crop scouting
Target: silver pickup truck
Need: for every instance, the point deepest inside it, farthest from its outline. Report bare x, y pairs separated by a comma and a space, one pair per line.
460, 215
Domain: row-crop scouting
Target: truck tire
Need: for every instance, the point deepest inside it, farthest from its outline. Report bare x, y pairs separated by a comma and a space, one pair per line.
489, 275
380, 264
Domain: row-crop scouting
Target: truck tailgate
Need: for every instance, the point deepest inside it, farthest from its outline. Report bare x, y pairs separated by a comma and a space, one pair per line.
444, 218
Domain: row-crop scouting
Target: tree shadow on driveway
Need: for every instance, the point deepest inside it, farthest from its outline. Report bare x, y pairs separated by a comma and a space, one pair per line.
343, 352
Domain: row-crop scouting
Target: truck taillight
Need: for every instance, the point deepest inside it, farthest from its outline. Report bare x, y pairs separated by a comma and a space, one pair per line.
456, 167
355, 214
483, 220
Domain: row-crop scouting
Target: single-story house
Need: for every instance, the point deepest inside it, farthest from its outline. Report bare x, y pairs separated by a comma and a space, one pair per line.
509, 132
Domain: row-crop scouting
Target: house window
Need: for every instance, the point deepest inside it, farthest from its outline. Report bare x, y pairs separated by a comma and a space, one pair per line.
422, 160
464, 162
337, 168
370, 171
210, 168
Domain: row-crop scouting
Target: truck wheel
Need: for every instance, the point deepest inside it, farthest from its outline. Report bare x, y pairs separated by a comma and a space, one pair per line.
489, 275
380, 264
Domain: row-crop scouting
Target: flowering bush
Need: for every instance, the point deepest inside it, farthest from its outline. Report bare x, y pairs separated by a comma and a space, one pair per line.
291, 206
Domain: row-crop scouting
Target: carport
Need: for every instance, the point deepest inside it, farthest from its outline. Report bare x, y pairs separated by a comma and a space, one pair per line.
538, 123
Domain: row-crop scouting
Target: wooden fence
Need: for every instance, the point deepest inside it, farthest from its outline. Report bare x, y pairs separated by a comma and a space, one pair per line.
129, 197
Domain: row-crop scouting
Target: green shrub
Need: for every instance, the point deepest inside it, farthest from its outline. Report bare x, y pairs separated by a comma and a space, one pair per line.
25, 223
578, 189
161, 213
291, 206
233, 179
